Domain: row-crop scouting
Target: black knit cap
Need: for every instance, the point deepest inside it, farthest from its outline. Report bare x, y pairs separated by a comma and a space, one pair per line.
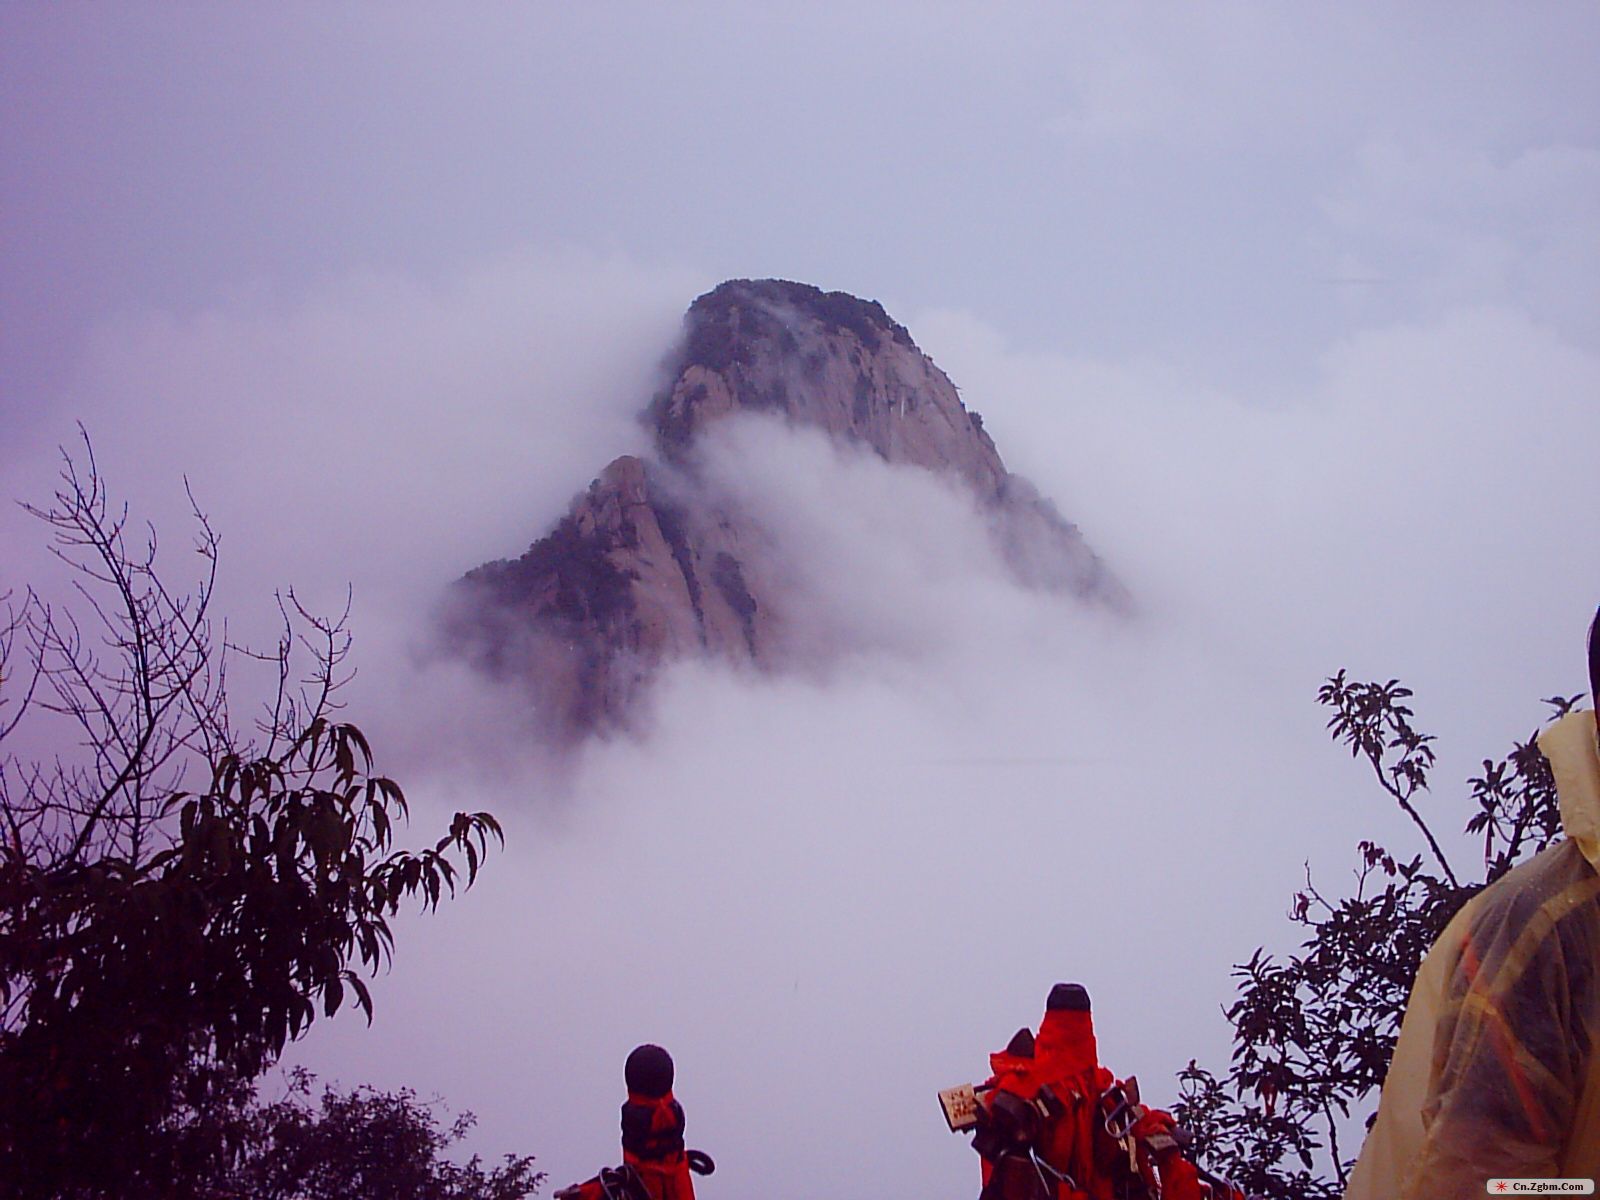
648, 1071
1068, 997
1021, 1043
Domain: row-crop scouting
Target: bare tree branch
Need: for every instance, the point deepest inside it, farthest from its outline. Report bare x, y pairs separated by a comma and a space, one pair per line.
128, 684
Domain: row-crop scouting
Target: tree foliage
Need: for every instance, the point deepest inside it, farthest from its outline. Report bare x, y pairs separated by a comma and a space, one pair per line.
178, 899
1313, 1034
361, 1143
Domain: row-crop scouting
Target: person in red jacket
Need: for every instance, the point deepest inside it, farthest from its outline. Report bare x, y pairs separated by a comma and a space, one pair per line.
655, 1165
1056, 1125
652, 1126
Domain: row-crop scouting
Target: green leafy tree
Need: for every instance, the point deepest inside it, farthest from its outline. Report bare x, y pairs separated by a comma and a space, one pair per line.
1314, 1033
361, 1143
178, 899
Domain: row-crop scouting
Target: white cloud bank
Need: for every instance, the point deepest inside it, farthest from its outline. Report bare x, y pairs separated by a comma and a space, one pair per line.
382, 428
831, 896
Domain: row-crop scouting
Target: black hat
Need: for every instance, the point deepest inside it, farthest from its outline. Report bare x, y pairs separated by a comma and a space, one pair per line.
1021, 1043
648, 1071
1070, 997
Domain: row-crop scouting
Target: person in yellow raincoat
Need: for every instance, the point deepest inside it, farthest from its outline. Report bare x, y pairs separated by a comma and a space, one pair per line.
1496, 1074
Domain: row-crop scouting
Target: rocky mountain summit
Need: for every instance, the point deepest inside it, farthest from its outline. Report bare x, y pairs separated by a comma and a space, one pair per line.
648, 565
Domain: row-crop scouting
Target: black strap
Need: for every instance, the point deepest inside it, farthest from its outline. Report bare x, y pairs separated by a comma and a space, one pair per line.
623, 1183
1594, 661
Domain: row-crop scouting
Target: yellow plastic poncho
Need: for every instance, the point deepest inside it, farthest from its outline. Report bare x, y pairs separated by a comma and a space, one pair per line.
1497, 1070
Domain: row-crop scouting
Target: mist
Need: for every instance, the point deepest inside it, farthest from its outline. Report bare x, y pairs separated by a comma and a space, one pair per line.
832, 892
1295, 318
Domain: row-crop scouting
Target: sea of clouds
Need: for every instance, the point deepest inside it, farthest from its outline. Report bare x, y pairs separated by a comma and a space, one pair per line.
832, 893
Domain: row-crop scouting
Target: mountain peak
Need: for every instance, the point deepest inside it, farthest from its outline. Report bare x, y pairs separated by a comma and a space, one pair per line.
648, 565
826, 360
733, 314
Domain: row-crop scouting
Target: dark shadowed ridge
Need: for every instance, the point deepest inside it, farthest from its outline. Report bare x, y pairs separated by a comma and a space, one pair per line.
648, 565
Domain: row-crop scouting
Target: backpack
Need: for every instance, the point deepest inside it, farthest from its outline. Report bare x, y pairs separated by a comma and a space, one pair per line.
1087, 1138
629, 1182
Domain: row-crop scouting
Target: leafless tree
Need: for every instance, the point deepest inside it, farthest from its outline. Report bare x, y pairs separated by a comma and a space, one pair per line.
134, 675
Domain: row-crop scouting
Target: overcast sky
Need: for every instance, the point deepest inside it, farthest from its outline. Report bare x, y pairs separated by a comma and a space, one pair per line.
1296, 311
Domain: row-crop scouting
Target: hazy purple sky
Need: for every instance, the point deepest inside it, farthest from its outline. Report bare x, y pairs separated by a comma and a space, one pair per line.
1296, 311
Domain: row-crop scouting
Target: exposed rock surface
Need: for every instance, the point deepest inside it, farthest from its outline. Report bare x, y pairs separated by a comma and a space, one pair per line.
647, 567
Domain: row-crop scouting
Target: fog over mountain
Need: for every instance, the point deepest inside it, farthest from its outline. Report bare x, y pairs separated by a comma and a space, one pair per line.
794, 878
662, 558
1291, 311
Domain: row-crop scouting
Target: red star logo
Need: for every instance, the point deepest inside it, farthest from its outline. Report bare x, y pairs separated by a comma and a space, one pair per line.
1501, 1185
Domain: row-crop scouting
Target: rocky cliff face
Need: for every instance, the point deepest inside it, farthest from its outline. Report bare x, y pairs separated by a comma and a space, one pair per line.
647, 566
